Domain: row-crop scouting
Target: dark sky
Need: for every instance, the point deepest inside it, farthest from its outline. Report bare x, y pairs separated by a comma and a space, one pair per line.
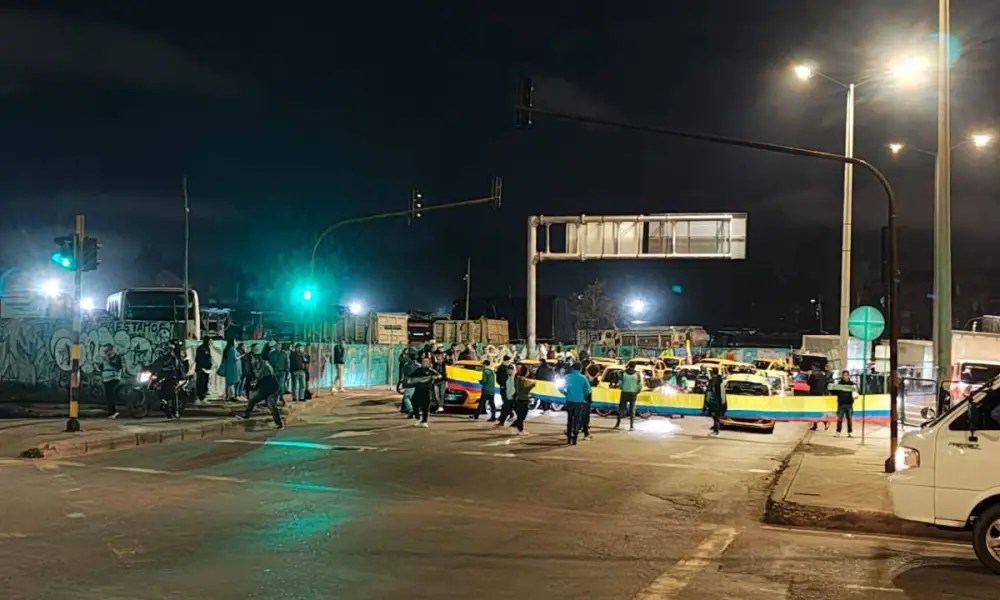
288, 116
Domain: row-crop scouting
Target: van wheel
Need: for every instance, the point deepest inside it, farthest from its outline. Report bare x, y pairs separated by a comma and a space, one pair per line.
986, 538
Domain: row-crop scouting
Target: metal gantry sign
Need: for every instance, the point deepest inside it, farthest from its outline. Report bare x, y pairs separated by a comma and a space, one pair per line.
631, 237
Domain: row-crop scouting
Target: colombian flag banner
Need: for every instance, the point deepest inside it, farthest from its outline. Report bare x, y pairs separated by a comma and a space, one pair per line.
665, 401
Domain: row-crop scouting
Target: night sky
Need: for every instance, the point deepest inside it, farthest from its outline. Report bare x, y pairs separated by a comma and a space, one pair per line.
288, 116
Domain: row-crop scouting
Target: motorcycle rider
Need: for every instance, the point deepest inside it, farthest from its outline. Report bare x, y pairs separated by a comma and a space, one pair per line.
170, 368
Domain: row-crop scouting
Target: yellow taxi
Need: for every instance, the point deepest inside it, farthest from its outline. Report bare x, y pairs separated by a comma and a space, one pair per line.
657, 365
747, 384
463, 384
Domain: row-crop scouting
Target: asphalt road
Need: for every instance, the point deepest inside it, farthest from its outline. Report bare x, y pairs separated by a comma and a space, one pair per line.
361, 505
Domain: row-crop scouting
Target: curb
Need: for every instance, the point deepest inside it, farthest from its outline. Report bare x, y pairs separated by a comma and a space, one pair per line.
780, 511
120, 441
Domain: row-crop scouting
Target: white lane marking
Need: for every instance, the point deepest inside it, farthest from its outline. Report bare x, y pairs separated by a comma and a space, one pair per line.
676, 578
867, 536
75, 515
279, 443
13, 535
873, 588
70, 490
490, 454
506, 442
138, 470
222, 478
347, 434
687, 454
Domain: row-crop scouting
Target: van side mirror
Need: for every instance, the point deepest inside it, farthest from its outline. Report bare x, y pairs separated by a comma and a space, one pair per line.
973, 419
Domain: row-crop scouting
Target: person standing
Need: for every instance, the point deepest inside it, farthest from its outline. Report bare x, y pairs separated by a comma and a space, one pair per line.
441, 387
297, 364
503, 374
111, 376
306, 393
575, 388
229, 369
488, 392
248, 364
630, 385
339, 356
544, 373
585, 417
469, 353
818, 383
278, 359
423, 380
267, 391
202, 366
715, 403
846, 392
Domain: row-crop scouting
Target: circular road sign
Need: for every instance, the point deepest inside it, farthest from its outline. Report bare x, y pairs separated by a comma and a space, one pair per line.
866, 323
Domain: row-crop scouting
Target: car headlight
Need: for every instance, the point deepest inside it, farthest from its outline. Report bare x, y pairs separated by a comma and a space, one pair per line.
906, 458
144, 376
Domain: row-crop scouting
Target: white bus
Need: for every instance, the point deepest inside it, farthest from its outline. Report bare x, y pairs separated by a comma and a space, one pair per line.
157, 304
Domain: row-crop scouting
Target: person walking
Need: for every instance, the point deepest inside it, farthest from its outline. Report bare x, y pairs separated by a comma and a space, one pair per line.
229, 369
715, 403
522, 398
423, 380
487, 394
110, 365
267, 392
339, 356
585, 417
630, 384
575, 388
505, 372
846, 392
202, 366
297, 364
405, 387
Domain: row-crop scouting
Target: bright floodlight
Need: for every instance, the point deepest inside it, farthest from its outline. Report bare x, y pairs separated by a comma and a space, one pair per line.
895, 147
636, 305
803, 72
981, 140
356, 308
87, 303
909, 69
50, 287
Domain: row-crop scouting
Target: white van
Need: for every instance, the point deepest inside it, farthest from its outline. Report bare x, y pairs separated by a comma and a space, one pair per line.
948, 473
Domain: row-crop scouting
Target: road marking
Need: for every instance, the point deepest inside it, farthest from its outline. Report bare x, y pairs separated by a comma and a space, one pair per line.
75, 515
138, 470
873, 588
490, 454
13, 536
674, 580
346, 434
222, 478
687, 454
70, 490
867, 536
506, 442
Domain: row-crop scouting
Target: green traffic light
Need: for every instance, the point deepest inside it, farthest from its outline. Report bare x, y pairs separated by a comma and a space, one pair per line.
307, 295
63, 261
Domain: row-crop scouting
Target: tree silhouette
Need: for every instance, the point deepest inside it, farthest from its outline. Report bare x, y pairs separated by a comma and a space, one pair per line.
594, 309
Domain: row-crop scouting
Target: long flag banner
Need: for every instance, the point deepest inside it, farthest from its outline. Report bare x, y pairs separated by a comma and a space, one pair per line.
666, 401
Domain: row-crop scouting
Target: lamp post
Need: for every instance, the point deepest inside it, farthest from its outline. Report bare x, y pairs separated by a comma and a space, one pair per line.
905, 69
942, 198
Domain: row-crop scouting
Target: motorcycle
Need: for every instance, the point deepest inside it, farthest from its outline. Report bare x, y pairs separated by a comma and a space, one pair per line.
147, 394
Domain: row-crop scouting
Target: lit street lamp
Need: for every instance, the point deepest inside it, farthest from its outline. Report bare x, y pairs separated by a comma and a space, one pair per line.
905, 70
50, 288
356, 308
636, 305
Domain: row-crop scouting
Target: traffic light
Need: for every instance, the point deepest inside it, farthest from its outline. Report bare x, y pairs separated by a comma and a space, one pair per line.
90, 258
416, 203
63, 257
307, 295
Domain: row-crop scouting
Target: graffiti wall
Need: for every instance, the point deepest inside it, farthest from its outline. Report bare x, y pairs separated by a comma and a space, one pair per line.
35, 355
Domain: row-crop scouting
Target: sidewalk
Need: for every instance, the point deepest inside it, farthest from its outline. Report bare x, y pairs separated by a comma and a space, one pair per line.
46, 438
838, 483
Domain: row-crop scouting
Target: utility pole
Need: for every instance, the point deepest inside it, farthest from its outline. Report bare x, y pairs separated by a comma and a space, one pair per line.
846, 242
942, 200
187, 244
468, 284
73, 423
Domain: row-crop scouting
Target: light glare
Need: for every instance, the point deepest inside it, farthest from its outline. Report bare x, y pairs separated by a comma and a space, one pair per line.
909, 69
895, 147
356, 307
50, 287
803, 72
636, 305
87, 303
981, 140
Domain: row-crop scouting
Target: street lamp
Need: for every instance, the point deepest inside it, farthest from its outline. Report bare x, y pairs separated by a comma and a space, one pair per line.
981, 140
87, 304
356, 308
904, 70
636, 305
50, 288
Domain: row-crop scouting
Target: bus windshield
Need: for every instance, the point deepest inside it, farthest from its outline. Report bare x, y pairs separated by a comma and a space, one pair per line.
156, 305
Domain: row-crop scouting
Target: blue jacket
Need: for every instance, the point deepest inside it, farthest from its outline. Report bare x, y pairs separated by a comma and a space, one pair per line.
576, 388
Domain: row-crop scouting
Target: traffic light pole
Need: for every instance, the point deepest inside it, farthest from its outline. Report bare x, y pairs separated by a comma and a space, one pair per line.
73, 423
495, 198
